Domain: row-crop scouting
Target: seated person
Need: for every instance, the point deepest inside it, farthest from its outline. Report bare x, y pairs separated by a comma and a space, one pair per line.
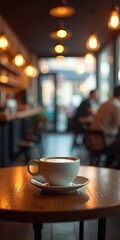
85, 109
107, 119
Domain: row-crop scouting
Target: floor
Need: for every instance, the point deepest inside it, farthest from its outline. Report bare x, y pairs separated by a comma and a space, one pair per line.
59, 145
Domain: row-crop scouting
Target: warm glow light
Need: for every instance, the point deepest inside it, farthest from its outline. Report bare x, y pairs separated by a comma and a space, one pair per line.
31, 71
114, 20
64, 10
19, 60
82, 88
92, 43
3, 79
89, 58
80, 69
62, 33
59, 48
4, 44
60, 57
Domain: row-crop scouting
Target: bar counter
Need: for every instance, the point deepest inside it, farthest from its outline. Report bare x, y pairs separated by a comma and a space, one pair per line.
13, 128
8, 116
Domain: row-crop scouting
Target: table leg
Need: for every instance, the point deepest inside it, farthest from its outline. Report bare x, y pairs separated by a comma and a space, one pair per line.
81, 230
101, 229
37, 231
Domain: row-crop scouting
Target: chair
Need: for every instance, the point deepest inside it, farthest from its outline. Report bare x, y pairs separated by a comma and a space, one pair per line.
78, 130
96, 154
32, 145
78, 140
36, 134
26, 147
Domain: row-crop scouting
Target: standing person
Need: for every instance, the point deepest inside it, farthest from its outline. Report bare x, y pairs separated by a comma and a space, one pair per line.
107, 119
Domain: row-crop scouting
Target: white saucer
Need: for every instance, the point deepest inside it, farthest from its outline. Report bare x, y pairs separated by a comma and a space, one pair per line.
78, 182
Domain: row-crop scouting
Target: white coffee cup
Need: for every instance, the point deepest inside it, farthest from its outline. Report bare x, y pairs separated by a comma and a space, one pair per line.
57, 171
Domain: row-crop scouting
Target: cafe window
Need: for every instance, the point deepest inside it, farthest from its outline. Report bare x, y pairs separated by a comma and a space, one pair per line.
74, 78
105, 73
79, 75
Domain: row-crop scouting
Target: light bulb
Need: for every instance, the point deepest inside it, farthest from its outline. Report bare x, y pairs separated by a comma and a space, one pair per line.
62, 33
63, 10
31, 71
19, 60
4, 44
59, 48
114, 20
89, 58
92, 43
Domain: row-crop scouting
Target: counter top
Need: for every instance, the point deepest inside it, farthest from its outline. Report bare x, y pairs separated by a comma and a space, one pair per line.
8, 116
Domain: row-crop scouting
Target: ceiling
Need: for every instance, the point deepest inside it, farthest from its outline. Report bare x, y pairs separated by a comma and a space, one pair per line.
31, 21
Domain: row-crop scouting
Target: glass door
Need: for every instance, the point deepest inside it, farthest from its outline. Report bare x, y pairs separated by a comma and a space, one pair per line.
55, 95
47, 98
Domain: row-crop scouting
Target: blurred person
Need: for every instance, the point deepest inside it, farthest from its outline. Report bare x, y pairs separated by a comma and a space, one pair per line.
85, 109
107, 119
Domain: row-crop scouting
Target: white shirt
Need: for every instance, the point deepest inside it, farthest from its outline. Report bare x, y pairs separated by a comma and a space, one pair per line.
107, 119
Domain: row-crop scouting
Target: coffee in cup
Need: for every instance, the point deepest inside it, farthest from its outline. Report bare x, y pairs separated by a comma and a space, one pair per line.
57, 171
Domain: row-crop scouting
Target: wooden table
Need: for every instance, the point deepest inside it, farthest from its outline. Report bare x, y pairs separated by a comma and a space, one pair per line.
20, 201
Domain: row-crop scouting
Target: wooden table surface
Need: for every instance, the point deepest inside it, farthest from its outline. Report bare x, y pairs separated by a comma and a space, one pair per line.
23, 202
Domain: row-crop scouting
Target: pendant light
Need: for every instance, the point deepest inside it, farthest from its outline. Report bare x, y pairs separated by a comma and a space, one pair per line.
62, 10
114, 19
4, 43
60, 32
19, 60
59, 48
31, 71
92, 42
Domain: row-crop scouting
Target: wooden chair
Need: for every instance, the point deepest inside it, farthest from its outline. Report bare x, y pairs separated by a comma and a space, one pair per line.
96, 154
32, 145
26, 148
79, 134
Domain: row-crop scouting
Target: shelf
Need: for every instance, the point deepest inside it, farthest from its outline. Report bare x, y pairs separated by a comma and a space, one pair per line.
12, 74
10, 67
9, 84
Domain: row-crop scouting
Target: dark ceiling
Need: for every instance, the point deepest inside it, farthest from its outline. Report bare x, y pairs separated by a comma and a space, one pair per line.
32, 23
